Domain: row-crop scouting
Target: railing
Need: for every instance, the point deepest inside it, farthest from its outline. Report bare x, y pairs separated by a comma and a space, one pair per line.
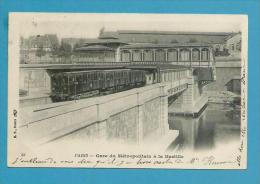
80, 63
65, 61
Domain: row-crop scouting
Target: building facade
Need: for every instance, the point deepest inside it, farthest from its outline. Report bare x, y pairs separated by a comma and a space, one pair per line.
233, 43
38, 48
222, 43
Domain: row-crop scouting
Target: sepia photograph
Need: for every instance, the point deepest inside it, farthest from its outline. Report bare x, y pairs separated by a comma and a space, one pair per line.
127, 90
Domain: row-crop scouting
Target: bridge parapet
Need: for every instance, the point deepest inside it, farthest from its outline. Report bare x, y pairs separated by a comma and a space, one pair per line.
71, 64
141, 113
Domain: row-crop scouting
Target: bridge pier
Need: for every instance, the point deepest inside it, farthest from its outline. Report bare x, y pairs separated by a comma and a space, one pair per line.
191, 101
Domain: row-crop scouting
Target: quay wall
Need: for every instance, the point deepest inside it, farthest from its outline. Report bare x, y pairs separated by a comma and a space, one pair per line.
225, 71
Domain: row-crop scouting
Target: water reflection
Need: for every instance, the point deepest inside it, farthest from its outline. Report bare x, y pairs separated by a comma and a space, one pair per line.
217, 124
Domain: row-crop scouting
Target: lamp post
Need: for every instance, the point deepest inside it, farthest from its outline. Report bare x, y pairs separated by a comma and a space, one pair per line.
75, 89
28, 85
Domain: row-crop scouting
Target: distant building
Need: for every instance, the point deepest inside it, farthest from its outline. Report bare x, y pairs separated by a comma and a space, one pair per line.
234, 85
74, 42
220, 41
38, 48
165, 37
233, 43
99, 50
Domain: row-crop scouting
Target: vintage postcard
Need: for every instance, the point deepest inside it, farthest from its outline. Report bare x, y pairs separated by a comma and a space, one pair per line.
127, 90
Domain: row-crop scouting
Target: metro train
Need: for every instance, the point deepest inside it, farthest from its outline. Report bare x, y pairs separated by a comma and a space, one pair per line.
83, 84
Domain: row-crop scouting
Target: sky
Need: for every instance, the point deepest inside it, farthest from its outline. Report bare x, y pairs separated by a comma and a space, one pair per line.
88, 25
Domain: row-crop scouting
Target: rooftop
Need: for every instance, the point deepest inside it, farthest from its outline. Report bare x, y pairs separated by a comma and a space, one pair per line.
99, 41
172, 33
94, 48
151, 45
135, 36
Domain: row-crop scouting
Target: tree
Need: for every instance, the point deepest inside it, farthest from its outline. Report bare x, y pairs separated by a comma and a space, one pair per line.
40, 52
65, 49
101, 31
55, 50
77, 45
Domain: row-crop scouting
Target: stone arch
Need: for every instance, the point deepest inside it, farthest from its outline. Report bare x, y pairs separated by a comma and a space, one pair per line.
148, 55
125, 56
160, 55
205, 54
185, 54
172, 55
137, 55
195, 54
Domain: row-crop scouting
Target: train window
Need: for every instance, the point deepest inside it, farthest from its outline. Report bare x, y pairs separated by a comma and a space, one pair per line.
112, 75
79, 77
108, 76
101, 76
95, 75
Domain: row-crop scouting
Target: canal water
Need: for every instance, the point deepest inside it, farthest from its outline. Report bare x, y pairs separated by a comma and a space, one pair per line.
218, 124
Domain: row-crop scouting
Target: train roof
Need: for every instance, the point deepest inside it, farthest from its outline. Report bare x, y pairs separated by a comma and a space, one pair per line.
158, 66
88, 71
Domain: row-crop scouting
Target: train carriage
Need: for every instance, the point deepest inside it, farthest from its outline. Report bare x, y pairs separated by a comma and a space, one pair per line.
82, 84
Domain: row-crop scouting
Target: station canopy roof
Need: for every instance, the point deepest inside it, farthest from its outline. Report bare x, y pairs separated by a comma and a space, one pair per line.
143, 36
102, 41
170, 45
94, 48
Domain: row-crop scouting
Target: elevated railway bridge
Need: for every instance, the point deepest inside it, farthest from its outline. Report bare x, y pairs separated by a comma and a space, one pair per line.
138, 115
